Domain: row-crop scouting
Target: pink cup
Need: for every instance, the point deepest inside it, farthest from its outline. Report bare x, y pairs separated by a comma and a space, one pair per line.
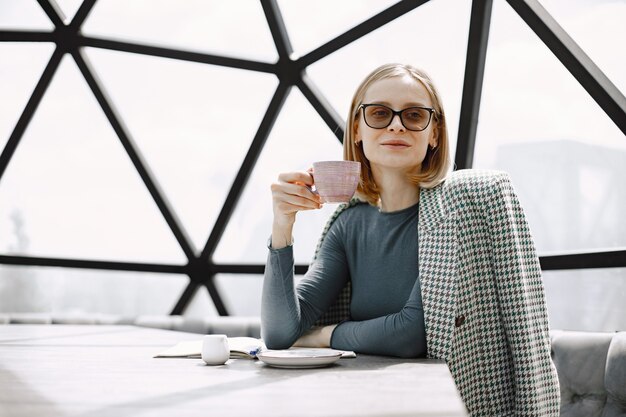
336, 181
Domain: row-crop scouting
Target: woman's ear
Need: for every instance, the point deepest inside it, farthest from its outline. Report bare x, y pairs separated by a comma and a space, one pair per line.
434, 136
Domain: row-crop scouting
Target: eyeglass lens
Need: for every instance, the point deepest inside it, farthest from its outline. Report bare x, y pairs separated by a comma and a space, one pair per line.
413, 118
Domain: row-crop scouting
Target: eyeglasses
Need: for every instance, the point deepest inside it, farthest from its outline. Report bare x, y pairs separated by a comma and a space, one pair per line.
378, 116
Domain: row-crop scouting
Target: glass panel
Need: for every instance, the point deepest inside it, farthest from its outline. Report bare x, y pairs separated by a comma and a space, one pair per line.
71, 190
588, 300
20, 69
312, 24
211, 26
200, 305
66, 290
241, 293
23, 15
566, 157
69, 7
439, 29
597, 27
194, 124
299, 138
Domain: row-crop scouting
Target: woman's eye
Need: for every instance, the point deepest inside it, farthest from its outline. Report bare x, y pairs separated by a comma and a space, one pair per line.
380, 113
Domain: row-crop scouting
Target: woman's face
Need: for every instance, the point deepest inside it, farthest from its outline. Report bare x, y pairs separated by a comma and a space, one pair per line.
395, 147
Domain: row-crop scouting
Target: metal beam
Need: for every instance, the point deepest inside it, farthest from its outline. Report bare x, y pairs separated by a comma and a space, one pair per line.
473, 82
278, 29
368, 26
53, 11
584, 260
211, 269
25, 36
322, 106
185, 299
181, 55
90, 264
572, 260
245, 170
82, 13
200, 273
29, 110
135, 156
215, 296
287, 70
257, 269
586, 72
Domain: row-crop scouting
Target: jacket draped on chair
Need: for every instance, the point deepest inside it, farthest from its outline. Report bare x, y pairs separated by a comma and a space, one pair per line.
482, 293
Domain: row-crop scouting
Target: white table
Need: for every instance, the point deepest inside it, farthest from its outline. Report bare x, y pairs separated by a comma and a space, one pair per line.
97, 371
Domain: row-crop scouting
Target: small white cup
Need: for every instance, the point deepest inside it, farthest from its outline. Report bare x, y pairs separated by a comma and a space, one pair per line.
215, 350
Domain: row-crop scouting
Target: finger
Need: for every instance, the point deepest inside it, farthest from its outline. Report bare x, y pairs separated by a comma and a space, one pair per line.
296, 176
300, 191
291, 207
310, 172
298, 201
279, 189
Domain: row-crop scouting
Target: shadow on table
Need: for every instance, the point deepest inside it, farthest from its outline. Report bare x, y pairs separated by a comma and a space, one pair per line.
171, 400
261, 375
360, 363
17, 398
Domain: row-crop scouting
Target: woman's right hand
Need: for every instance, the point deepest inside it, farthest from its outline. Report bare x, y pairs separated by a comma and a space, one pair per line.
290, 194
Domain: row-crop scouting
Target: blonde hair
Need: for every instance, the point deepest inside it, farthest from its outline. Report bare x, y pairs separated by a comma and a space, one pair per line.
436, 163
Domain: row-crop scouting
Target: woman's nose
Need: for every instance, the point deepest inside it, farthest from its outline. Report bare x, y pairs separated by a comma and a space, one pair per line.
396, 123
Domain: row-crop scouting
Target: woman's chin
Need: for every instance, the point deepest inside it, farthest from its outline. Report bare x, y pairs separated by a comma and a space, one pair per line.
397, 167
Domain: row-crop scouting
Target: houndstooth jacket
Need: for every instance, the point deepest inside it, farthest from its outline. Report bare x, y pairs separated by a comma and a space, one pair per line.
482, 293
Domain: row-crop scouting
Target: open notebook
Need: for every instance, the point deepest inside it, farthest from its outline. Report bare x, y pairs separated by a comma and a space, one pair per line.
240, 347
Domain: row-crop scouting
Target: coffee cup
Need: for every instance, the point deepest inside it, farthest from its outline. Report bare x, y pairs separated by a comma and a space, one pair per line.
215, 350
336, 181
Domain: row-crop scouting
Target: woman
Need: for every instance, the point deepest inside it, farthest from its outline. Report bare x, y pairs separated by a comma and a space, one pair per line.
436, 264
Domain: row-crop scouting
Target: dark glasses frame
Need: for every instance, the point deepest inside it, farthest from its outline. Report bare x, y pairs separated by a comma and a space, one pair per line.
397, 113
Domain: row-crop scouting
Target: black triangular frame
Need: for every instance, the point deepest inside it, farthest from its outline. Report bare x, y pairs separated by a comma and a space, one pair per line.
292, 72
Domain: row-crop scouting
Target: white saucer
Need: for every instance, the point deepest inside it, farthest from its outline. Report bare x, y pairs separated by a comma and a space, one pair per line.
299, 358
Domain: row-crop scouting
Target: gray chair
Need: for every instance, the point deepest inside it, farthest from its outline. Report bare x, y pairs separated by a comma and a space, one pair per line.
592, 372
231, 326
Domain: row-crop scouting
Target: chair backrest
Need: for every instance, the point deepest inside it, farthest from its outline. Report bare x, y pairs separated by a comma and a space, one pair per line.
592, 372
231, 326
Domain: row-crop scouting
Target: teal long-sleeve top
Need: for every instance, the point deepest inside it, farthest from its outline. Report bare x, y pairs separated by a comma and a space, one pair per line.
378, 252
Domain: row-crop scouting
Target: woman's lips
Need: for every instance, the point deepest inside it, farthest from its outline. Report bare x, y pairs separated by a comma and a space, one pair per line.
395, 145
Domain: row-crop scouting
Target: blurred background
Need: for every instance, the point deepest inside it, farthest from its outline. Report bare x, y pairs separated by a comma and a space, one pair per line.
139, 140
